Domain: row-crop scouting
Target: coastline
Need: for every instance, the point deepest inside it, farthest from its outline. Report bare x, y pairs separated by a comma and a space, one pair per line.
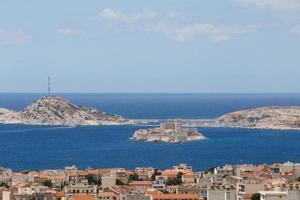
149, 123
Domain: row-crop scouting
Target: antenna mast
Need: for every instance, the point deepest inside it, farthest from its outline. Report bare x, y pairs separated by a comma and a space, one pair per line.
49, 86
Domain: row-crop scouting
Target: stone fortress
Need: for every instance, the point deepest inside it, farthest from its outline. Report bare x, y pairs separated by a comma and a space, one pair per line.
170, 131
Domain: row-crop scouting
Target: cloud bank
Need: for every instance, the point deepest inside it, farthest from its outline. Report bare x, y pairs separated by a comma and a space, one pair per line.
198, 30
281, 5
170, 24
118, 15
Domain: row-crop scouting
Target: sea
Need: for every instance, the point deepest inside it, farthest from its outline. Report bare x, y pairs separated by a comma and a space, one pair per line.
54, 147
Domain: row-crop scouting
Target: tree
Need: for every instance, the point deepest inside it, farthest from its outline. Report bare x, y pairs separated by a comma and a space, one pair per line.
165, 192
92, 181
177, 180
47, 183
255, 196
210, 170
179, 175
133, 177
119, 182
156, 173
3, 184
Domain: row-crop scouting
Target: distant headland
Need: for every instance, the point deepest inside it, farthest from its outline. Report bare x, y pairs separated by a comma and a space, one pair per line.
275, 117
271, 117
54, 110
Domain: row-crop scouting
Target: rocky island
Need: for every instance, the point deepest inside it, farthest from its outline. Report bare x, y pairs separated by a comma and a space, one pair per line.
276, 117
53, 110
171, 132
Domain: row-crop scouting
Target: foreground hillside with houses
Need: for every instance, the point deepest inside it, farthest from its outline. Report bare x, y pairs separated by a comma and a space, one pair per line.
230, 182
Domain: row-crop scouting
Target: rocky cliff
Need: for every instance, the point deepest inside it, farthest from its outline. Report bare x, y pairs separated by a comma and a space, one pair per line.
53, 110
287, 118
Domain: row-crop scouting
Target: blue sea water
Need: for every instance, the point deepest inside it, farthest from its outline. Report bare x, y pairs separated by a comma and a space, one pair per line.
38, 147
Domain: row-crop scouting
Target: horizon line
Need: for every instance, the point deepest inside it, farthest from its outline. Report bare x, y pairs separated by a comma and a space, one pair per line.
178, 93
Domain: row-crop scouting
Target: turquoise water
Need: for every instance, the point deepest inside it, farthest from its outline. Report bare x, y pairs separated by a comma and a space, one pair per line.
37, 147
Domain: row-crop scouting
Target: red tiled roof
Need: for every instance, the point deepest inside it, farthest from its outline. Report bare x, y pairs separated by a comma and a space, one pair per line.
83, 197
175, 196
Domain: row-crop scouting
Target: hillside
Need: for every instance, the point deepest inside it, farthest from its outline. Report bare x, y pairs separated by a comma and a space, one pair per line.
52, 110
278, 117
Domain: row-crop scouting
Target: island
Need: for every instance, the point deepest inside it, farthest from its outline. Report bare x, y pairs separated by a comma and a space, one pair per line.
274, 117
171, 132
54, 110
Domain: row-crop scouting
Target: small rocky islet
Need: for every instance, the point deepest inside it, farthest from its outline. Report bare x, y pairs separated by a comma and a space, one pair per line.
171, 132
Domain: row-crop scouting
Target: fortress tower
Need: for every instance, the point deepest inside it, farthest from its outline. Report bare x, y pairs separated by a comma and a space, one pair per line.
178, 125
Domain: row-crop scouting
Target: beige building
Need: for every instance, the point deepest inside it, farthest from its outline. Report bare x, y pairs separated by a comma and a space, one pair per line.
221, 193
293, 194
108, 181
80, 188
189, 178
254, 185
182, 166
274, 195
107, 196
175, 197
187, 190
140, 186
7, 195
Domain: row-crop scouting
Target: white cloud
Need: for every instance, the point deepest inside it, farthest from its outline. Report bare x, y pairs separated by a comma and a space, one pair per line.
69, 31
213, 32
286, 11
120, 16
13, 37
295, 30
171, 24
281, 5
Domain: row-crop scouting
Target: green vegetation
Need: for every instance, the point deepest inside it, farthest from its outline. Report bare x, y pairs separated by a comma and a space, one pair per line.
156, 173
210, 170
176, 181
179, 175
255, 196
47, 183
119, 182
92, 180
2, 184
133, 177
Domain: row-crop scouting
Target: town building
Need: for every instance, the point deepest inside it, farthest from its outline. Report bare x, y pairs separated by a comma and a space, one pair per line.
80, 188
274, 195
175, 197
108, 180
159, 183
221, 193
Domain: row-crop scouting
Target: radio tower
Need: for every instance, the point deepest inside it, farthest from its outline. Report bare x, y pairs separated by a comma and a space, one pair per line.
49, 86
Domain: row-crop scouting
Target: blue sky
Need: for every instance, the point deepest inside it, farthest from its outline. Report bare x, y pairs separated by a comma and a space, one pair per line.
227, 46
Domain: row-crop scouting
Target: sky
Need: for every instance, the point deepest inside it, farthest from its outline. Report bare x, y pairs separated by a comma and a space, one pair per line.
133, 46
